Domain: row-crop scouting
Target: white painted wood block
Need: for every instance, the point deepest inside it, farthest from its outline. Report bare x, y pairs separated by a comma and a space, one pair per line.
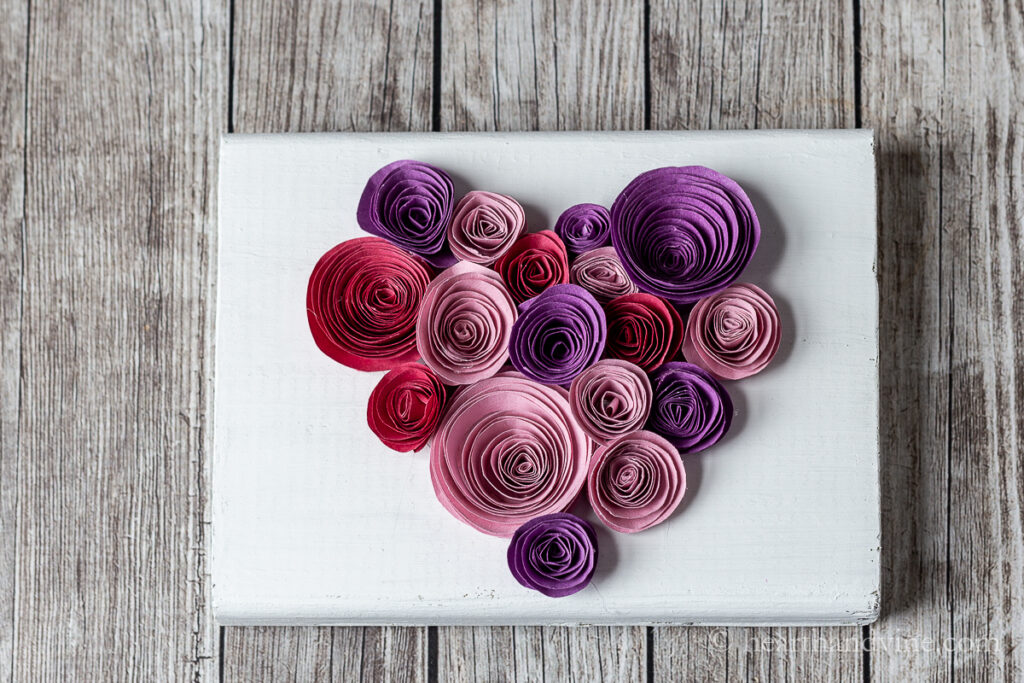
314, 522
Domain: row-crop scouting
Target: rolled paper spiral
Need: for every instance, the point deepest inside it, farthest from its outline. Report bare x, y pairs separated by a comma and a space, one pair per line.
684, 233
636, 481
508, 450
361, 303
601, 273
535, 262
558, 335
464, 324
409, 203
643, 329
554, 554
406, 406
691, 409
484, 226
584, 227
611, 398
733, 334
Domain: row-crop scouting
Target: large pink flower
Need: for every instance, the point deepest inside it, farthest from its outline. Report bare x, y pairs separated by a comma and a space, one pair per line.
734, 333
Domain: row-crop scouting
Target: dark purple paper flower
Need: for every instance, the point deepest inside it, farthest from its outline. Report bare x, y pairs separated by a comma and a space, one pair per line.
409, 203
584, 227
684, 232
691, 408
554, 554
558, 335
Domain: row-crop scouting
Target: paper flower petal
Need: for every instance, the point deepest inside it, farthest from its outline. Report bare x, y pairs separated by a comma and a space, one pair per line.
484, 226
584, 227
361, 303
558, 335
643, 329
683, 233
508, 450
636, 482
690, 408
733, 334
601, 273
555, 554
610, 398
409, 203
406, 406
534, 262
464, 324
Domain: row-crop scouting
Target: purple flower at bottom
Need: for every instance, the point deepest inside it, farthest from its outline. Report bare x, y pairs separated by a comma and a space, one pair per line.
555, 554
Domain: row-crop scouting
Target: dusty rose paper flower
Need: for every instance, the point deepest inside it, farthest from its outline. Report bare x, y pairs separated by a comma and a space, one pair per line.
601, 273
584, 227
555, 554
636, 482
734, 333
610, 398
643, 329
406, 406
484, 226
535, 262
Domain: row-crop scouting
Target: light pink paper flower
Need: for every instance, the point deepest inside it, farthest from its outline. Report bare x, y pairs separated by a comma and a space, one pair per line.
733, 334
484, 226
601, 273
611, 398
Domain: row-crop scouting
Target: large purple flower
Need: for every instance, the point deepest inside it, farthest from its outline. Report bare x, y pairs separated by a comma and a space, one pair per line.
684, 232
691, 408
555, 554
409, 203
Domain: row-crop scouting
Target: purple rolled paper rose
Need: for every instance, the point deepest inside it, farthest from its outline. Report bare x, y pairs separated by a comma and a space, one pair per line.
684, 232
558, 335
690, 408
409, 203
601, 273
555, 554
584, 227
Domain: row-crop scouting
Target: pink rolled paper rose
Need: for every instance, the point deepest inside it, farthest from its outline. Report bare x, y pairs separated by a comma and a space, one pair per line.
508, 450
611, 398
636, 482
464, 324
600, 272
733, 334
484, 226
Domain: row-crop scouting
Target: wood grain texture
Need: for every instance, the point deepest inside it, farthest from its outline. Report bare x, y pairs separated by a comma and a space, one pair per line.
13, 33
942, 86
753, 65
542, 66
323, 66
125, 103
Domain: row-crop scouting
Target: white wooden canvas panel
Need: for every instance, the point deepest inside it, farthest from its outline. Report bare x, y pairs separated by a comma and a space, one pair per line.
315, 522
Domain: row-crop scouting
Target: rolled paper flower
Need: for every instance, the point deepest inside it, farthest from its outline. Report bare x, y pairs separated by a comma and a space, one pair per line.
558, 335
464, 324
508, 450
643, 329
733, 334
610, 398
636, 482
406, 406
584, 227
361, 303
484, 226
535, 262
554, 554
601, 273
684, 233
690, 408
409, 203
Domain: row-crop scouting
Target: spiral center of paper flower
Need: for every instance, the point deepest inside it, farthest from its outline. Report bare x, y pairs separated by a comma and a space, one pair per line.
555, 554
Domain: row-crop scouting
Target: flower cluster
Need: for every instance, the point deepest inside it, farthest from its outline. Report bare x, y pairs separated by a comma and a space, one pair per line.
542, 365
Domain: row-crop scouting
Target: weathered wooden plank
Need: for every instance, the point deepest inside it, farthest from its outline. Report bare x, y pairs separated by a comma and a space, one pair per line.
740, 64
942, 86
13, 31
542, 66
125, 103
323, 66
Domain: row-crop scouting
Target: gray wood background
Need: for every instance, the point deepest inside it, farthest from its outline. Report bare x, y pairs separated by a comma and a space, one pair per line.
109, 119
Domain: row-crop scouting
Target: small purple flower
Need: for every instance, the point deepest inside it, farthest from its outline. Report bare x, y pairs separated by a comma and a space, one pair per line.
584, 227
555, 554
690, 408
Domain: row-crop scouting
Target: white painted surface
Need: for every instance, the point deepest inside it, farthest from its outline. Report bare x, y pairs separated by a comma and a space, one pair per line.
314, 522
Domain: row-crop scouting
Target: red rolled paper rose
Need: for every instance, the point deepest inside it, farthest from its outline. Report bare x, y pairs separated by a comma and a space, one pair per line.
484, 226
362, 300
643, 329
534, 262
636, 481
733, 334
406, 406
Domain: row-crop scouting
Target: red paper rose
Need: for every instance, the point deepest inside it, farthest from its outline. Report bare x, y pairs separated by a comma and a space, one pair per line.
362, 301
532, 264
406, 407
643, 329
